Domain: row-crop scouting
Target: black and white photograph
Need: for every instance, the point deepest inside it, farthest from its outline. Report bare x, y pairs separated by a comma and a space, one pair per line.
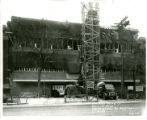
73, 58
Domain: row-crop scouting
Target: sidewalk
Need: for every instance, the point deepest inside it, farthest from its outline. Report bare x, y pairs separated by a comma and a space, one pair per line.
70, 101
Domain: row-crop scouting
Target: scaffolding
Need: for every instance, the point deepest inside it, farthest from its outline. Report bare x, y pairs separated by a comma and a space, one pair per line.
90, 50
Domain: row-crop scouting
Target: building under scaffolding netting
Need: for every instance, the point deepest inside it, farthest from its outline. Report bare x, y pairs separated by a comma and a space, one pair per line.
56, 47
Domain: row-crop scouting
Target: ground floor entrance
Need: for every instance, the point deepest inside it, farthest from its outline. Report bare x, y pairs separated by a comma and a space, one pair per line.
47, 89
129, 92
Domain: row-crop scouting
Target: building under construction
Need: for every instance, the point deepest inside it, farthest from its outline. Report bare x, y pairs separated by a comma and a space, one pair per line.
52, 54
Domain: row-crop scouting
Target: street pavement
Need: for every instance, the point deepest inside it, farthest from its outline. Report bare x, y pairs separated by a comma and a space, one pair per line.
57, 106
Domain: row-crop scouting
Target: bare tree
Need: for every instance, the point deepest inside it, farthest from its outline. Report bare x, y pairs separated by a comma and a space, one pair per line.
42, 58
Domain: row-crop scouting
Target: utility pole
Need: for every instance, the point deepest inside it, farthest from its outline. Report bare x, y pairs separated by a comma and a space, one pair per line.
134, 72
121, 27
122, 70
134, 82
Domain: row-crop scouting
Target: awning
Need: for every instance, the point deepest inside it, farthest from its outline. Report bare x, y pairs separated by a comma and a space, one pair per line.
45, 76
120, 81
21, 80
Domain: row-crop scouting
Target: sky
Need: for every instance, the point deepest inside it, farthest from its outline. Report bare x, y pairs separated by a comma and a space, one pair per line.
111, 11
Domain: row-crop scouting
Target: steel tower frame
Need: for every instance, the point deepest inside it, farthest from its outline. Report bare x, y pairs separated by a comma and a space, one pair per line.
90, 50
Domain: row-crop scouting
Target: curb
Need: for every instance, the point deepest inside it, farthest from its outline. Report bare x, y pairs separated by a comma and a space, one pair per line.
70, 104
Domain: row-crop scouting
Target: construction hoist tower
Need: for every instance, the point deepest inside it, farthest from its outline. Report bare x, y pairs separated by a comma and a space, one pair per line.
90, 50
